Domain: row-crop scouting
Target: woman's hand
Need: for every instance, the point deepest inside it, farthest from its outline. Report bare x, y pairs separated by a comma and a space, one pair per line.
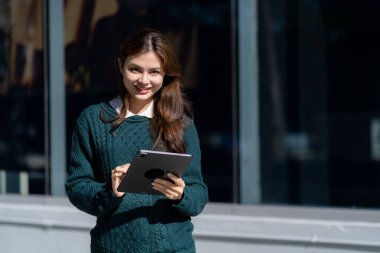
116, 177
172, 190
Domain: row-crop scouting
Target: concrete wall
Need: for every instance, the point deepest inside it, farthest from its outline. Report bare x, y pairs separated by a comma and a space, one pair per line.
50, 224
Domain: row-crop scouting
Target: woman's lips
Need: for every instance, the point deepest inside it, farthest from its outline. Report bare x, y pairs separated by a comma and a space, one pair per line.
142, 91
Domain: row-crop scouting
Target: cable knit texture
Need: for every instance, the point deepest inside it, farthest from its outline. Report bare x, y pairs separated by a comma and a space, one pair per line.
136, 222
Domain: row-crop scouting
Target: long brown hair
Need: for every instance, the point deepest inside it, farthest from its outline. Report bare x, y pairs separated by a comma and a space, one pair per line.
171, 106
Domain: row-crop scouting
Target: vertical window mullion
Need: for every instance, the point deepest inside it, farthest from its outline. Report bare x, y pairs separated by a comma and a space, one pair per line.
249, 159
55, 90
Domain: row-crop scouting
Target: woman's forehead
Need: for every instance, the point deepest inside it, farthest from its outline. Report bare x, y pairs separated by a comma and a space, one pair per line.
145, 58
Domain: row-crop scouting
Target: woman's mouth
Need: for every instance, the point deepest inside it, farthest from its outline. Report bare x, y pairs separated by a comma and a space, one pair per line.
142, 90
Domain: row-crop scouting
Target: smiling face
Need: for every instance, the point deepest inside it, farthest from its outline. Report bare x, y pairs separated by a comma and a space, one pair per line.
143, 76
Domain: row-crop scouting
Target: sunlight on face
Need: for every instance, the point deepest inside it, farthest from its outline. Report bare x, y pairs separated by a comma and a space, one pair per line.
143, 76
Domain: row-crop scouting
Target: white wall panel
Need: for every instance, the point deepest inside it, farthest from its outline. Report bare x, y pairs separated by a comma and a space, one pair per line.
51, 224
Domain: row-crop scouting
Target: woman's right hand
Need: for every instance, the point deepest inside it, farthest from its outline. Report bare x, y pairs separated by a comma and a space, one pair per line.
116, 177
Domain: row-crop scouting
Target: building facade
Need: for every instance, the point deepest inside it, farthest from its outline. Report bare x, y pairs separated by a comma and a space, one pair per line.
285, 98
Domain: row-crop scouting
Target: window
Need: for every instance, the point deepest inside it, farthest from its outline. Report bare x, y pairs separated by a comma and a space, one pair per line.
319, 105
201, 33
23, 157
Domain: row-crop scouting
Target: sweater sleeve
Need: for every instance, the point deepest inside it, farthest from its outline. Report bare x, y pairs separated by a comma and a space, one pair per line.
83, 191
196, 193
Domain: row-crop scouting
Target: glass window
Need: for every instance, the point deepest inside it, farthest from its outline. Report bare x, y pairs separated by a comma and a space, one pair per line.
319, 88
22, 104
201, 34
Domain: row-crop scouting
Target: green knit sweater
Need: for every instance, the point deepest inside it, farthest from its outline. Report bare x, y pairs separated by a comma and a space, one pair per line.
136, 222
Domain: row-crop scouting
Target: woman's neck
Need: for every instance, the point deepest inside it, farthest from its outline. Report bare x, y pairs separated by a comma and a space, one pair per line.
137, 107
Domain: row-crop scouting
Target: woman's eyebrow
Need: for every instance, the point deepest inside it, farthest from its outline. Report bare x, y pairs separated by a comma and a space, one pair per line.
158, 68
133, 65
138, 66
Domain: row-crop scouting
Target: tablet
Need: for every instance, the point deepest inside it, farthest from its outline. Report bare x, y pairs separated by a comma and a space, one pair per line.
149, 165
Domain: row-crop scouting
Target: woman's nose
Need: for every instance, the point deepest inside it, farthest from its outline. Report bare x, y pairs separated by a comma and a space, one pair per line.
144, 79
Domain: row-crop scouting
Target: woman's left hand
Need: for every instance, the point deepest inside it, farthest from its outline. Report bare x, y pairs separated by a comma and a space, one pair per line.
172, 190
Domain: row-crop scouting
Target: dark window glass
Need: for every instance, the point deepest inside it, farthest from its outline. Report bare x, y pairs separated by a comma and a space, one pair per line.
319, 88
201, 34
22, 105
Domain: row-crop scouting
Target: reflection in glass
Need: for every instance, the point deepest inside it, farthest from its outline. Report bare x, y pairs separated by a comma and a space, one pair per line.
319, 110
22, 154
201, 34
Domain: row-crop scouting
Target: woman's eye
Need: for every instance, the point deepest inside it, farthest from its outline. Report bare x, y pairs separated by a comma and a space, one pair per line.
155, 72
134, 70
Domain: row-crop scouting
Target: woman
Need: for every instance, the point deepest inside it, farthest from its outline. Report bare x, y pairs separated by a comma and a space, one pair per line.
150, 113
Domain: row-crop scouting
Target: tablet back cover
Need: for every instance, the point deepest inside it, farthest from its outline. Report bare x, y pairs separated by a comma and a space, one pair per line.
148, 165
